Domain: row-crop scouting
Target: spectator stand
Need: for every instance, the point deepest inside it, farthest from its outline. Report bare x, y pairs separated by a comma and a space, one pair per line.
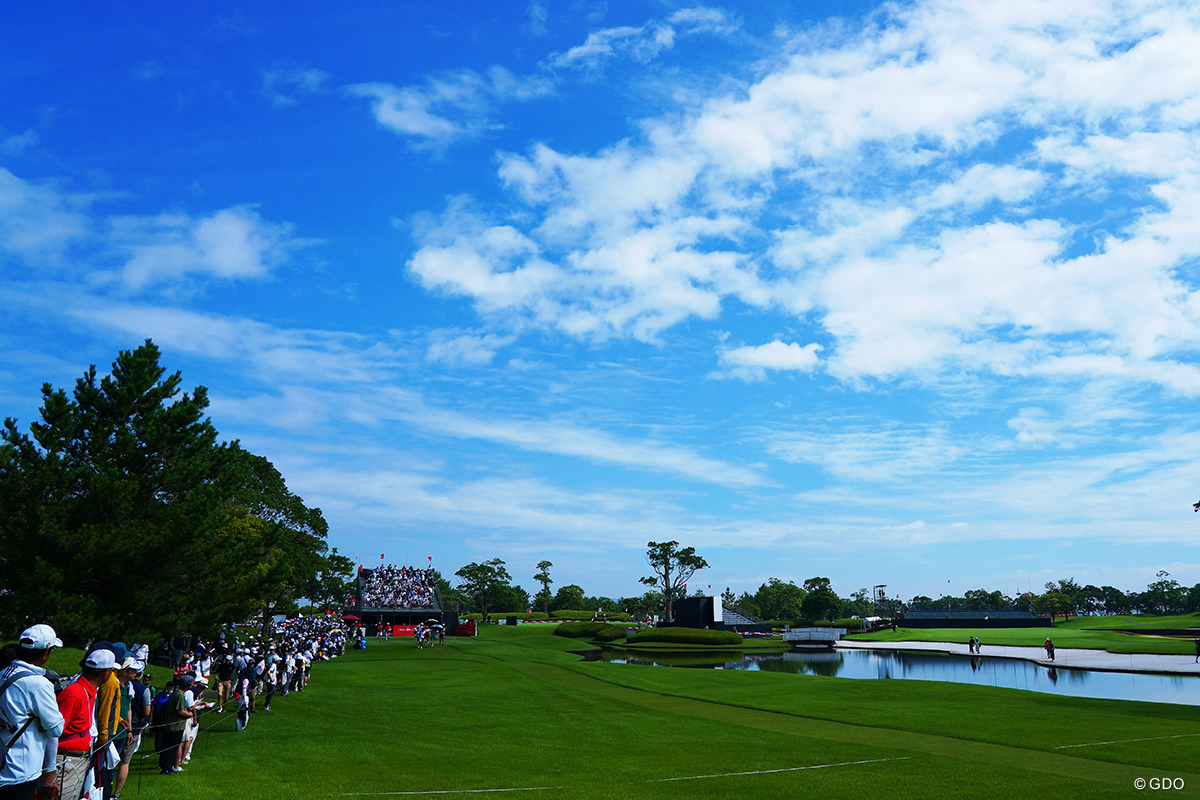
400, 597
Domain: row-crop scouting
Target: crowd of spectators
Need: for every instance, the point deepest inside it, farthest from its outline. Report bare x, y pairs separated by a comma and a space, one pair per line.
76, 736
398, 587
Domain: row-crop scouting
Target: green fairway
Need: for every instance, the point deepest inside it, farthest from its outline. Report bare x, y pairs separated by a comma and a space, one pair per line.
1089, 633
513, 710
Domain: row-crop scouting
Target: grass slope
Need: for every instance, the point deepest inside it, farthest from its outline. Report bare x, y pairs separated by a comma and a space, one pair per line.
512, 710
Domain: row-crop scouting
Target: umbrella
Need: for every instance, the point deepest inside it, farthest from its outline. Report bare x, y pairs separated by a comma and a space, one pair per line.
350, 616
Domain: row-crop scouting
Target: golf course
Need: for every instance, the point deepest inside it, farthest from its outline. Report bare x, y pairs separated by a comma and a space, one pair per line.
514, 712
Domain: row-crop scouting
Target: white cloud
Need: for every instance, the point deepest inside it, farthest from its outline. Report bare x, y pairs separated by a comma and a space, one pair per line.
642, 44
17, 143
450, 107
39, 223
917, 180
233, 243
751, 363
459, 349
286, 87
859, 453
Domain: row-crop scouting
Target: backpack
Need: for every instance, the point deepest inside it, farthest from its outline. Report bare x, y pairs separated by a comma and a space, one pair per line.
158, 708
9, 731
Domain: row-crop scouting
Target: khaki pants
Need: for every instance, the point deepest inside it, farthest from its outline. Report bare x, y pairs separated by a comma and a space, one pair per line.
74, 777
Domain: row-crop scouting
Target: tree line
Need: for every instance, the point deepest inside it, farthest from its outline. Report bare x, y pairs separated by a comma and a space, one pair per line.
491, 589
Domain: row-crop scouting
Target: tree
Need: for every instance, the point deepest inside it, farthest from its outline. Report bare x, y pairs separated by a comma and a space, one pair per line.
511, 598
1071, 590
483, 582
778, 600
728, 598
672, 567
647, 605
569, 597
543, 577
858, 604
125, 516
747, 603
1053, 603
606, 604
820, 602
1163, 596
334, 586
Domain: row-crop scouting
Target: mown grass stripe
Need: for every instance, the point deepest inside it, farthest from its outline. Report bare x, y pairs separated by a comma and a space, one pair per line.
781, 769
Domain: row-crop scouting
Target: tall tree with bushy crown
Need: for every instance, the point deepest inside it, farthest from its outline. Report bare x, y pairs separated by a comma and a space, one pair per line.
672, 566
125, 515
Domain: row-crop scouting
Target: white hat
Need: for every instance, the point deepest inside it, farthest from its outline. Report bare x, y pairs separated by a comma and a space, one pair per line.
133, 663
39, 637
100, 659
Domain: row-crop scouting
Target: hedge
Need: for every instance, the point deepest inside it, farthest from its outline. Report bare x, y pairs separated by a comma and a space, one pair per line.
586, 616
600, 631
684, 636
848, 624
525, 616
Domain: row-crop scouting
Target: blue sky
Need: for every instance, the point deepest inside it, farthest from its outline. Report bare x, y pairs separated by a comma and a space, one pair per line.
903, 294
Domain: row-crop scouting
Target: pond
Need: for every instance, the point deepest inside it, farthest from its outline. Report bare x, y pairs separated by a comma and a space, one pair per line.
982, 671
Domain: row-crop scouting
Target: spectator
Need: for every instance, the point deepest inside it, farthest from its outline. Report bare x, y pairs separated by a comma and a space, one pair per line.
193, 695
27, 703
139, 699
224, 681
111, 724
176, 715
398, 587
77, 704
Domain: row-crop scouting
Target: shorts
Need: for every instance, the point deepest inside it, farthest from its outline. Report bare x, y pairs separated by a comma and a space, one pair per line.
189, 731
132, 743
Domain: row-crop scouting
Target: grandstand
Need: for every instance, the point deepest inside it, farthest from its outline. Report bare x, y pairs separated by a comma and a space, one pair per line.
400, 597
733, 616
710, 612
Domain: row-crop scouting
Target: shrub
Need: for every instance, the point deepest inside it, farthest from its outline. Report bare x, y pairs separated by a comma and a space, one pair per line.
586, 616
524, 616
600, 631
684, 636
610, 633
849, 624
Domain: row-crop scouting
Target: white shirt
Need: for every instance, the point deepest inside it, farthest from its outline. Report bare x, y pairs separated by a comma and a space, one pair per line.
34, 752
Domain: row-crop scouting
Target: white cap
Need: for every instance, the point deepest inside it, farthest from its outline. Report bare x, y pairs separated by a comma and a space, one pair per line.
39, 637
133, 663
100, 659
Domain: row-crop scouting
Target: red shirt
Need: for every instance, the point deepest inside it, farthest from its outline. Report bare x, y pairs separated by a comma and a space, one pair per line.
77, 704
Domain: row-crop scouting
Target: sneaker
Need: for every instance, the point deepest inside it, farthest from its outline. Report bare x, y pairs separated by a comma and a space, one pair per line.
177, 769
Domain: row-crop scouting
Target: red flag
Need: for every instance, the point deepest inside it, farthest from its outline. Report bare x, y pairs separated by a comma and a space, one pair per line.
381, 556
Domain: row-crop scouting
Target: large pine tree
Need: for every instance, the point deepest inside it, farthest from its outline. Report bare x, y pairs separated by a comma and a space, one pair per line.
124, 515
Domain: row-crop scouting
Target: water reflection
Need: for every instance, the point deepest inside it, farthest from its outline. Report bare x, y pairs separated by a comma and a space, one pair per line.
981, 671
